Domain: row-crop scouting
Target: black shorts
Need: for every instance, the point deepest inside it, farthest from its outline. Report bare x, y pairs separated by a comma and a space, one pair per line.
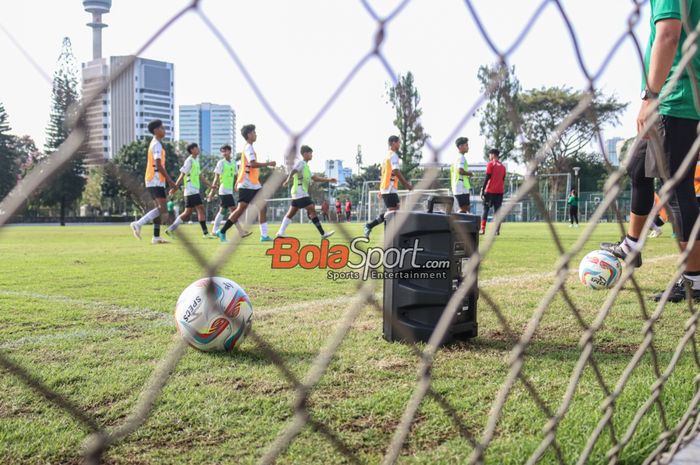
492, 200
246, 195
193, 200
462, 199
302, 202
157, 192
391, 200
227, 200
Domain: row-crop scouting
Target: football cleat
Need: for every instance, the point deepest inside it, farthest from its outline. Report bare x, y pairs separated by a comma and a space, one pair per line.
616, 249
678, 292
136, 228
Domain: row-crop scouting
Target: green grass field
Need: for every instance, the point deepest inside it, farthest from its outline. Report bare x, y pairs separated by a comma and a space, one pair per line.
88, 311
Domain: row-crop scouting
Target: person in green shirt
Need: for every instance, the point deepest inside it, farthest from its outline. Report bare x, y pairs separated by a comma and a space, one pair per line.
302, 177
171, 211
192, 177
460, 174
573, 208
674, 123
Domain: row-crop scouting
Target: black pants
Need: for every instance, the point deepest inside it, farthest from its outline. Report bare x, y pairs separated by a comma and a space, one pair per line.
491, 200
573, 213
677, 136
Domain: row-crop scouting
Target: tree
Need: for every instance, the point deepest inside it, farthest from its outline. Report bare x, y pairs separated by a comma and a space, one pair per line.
67, 184
92, 194
502, 90
593, 172
544, 109
9, 159
405, 100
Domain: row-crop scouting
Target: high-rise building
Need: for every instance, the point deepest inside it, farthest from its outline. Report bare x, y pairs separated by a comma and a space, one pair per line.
141, 93
612, 150
334, 169
208, 125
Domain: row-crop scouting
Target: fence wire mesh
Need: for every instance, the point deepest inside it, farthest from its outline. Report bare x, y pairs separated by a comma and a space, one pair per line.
675, 432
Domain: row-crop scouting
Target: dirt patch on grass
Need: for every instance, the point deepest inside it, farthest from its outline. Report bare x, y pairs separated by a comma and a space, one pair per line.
393, 363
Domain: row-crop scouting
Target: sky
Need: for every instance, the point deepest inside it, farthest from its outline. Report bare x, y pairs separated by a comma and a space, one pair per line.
299, 52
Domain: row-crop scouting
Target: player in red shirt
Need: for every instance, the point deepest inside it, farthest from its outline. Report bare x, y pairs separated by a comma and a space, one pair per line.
492, 191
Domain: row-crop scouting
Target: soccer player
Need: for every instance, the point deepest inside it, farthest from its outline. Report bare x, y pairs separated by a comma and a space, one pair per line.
224, 178
248, 184
389, 183
193, 178
338, 210
460, 175
492, 190
573, 208
301, 174
156, 177
677, 128
348, 209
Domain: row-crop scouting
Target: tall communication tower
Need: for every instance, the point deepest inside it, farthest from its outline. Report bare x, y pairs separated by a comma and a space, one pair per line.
97, 8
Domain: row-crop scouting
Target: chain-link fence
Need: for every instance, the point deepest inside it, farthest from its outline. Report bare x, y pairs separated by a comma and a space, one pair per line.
615, 435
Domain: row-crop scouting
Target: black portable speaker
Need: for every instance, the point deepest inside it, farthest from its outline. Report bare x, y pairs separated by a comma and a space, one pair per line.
417, 290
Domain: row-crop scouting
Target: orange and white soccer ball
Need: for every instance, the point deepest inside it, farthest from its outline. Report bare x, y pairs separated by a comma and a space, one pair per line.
599, 270
213, 314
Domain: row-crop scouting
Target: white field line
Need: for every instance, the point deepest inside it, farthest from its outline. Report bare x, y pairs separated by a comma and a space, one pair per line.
166, 319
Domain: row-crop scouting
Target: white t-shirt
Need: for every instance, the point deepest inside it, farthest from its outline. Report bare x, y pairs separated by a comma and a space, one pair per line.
459, 161
156, 148
186, 168
394, 160
299, 167
219, 169
247, 183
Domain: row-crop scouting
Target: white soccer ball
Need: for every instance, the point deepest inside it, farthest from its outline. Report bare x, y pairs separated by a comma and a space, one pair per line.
216, 319
599, 270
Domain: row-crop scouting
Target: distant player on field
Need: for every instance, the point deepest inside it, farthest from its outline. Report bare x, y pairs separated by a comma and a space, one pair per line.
492, 191
338, 210
460, 175
302, 177
192, 176
389, 183
248, 184
224, 179
156, 177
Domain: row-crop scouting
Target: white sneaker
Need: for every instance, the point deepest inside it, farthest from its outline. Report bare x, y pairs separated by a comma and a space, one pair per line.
571, 225
136, 228
656, 233
280, 235
159, 240
327, 235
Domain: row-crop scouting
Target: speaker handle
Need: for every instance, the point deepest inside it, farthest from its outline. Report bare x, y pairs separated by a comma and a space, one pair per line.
446, 200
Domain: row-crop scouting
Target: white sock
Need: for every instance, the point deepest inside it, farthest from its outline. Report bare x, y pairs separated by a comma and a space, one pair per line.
148, 217
655, 228
175, 224
217, 221
285, 222
263, 229
629, 245
694, 279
